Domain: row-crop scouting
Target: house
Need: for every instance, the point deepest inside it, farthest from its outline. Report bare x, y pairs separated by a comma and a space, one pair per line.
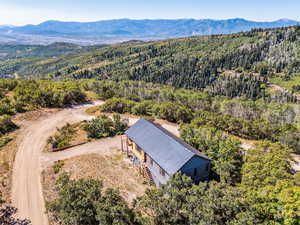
162, 154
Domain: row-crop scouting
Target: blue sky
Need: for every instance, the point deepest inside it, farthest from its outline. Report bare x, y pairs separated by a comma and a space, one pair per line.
19, 12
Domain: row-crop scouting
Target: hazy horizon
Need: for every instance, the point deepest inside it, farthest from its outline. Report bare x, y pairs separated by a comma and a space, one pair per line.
91, 21
22, 12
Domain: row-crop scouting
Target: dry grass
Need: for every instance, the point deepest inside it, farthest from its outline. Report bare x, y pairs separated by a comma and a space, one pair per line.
80, 136
20, 118
7, 156
93, 111
114, 170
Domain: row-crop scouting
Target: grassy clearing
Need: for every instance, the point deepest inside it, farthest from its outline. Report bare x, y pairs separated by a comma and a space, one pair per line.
295, 80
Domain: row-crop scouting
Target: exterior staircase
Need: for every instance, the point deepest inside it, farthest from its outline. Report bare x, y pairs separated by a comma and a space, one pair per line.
147, 174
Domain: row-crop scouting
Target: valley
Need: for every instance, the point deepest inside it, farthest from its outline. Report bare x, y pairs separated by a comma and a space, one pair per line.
232, 65
120, 30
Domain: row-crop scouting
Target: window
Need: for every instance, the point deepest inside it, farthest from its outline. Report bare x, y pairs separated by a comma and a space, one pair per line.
162, 172
151, 162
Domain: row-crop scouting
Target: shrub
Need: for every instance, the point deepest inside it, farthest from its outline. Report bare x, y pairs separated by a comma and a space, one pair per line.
48, 93
6, 125
172, 112
84, 202
58, 165
143, 108
63, 137
100, 127
103, 126
118, 105
120, 126
4, 141
6, 107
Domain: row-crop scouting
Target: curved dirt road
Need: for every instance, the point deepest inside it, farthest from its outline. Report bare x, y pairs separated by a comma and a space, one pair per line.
26, 188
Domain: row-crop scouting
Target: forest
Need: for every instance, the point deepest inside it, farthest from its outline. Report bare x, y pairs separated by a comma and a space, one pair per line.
18, 51
233, 65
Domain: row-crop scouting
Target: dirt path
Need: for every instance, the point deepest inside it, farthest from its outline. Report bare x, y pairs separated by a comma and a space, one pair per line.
282, 89
104, 146
26, 189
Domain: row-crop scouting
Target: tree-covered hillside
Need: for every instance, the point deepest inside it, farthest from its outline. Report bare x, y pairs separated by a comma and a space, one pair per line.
14, 51
225, 63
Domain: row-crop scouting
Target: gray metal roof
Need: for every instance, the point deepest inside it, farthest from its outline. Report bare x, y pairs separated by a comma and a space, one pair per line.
167, 150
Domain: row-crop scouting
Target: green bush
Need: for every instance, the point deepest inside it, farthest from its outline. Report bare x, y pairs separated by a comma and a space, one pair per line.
48, 93
142, 109
99, 127
63, 137
120, 126
103, 126
118, 105
58, 165
6, 125
4, 141
172, 112
85, 202
6, 107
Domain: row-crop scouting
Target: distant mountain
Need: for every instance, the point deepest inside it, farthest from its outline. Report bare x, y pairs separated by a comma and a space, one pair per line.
109, 31
6, 26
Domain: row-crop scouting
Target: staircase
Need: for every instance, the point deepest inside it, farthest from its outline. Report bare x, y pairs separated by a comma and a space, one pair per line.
147, 174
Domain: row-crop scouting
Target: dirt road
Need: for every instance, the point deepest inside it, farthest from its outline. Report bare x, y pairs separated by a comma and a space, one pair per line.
27, 190
104, 146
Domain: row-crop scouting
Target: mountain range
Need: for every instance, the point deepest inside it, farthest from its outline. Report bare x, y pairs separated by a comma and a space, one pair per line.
119, 30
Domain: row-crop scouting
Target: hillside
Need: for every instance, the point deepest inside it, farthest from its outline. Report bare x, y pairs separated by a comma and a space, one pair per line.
110, 31
11, 51
220, 64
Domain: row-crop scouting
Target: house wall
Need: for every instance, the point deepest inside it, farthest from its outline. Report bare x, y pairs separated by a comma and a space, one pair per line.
202, 166
154, 168
138, 152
